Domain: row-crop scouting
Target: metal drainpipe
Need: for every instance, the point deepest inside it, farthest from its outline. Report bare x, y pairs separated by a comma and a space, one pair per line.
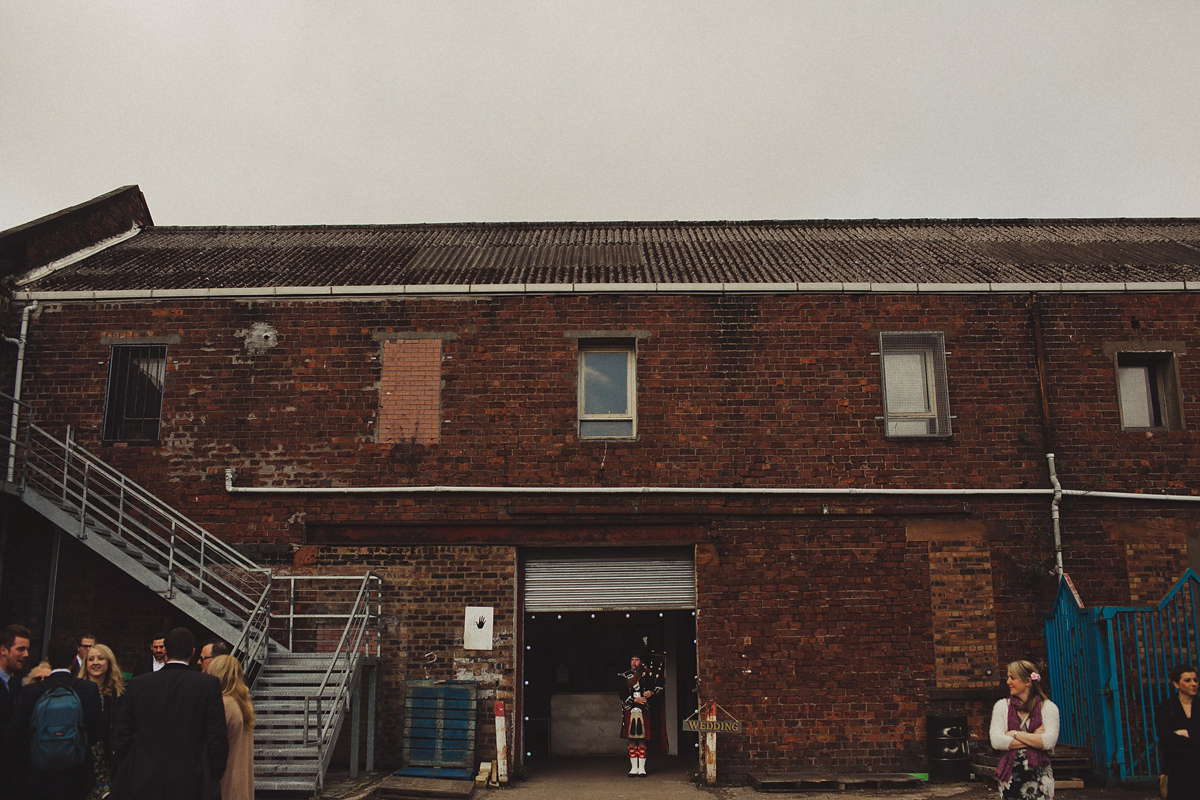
838, 491
1054, 516
16, 409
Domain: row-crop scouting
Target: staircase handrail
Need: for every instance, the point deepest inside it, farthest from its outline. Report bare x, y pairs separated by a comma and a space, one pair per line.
137, 516
151, 499
177, 530
253, 642
357, 627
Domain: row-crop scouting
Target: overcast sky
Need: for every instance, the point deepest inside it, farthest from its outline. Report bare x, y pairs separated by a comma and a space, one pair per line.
385, 111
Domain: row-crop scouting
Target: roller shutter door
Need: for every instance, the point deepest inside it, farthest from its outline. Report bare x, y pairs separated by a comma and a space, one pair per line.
610, 583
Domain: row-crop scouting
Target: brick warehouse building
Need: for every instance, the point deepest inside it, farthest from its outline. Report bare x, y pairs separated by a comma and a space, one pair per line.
805, 461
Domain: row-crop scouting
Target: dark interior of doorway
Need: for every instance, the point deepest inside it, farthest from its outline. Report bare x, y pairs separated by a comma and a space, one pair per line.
586, 651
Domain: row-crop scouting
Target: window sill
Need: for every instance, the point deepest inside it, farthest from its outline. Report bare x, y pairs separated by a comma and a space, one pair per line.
937, 437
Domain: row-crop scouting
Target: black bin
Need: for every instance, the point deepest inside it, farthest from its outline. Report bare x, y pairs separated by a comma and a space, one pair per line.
949, 756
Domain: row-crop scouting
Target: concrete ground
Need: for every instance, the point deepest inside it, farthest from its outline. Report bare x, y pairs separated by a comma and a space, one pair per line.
605, 779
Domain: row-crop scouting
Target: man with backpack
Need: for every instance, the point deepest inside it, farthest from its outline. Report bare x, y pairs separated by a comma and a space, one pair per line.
53, 726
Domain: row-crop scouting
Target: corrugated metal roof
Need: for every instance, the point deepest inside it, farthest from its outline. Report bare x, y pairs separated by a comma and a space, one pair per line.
822, 251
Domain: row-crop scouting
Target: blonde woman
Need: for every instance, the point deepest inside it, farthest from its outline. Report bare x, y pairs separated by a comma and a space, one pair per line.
101, 668
36, 674
238, 781
1025, 726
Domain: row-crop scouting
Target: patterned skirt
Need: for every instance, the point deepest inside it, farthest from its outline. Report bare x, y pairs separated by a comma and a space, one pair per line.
1026, 783
102, 781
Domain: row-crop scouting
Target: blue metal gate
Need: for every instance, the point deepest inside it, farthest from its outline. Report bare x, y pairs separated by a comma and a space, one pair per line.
1108, 669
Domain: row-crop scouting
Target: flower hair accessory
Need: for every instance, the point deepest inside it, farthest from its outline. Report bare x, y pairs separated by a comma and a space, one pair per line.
1035, 677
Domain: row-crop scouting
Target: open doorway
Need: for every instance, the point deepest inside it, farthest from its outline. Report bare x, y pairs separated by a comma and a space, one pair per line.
572, 665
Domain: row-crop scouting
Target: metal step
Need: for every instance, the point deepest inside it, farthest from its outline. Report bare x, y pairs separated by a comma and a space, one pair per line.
284, 722
299, 755
286, 661
279, 736
285, 784
311, 668
301, 674
293, 688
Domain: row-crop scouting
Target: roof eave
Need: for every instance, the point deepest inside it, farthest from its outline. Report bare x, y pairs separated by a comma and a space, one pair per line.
491, 289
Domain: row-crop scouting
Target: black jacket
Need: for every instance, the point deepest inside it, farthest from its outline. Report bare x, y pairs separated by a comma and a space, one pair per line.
73, 783
1180, 755
8, 761
170, 741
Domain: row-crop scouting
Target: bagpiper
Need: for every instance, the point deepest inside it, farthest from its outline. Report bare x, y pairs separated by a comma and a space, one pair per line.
641, 685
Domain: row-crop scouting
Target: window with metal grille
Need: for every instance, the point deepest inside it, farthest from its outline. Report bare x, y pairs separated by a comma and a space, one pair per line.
1148, 391
916, 399
607, 400
133, 410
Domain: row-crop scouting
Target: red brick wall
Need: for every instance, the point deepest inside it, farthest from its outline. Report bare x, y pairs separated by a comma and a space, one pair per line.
426, 592
817, 636
819, 621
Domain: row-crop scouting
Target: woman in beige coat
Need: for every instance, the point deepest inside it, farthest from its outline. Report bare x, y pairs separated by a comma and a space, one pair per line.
238, 781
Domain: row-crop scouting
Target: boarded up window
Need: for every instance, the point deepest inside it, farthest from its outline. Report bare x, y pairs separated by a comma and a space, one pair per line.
963, 602
410, 402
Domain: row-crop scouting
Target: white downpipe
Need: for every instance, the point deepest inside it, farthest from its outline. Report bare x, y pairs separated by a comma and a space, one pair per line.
16, 409
1173, 498
1054, 515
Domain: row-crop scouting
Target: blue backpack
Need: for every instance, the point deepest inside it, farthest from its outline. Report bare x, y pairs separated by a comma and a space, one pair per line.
57, 738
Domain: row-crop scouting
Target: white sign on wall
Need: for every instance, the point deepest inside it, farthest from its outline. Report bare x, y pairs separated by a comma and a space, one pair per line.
477, 629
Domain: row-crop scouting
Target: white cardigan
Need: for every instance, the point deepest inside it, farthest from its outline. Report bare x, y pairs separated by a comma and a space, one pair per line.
998, 731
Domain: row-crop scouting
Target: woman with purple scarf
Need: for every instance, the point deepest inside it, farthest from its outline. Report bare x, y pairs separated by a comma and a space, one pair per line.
1025, 726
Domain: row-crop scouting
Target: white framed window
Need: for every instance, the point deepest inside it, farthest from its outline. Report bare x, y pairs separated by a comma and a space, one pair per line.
1148, 391
916, 399
607, 391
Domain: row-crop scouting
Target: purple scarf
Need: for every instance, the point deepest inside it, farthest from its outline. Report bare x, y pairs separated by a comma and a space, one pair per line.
1037, 759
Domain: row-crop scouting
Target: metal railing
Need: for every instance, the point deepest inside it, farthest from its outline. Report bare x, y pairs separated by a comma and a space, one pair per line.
251, 648
104, 502
331, 616
312, 605
1109, 669
310, 613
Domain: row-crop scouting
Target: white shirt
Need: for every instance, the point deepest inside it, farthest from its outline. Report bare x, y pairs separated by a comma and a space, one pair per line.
998, 731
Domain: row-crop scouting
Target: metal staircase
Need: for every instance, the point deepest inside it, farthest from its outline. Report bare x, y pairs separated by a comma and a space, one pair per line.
302, 698
306, 641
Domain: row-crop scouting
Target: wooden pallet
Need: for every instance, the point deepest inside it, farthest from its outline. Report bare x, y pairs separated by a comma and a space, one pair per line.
832, 781
406, 788
1071, 764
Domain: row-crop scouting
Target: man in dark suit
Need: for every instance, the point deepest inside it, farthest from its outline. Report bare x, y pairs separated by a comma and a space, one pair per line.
57, 784
155, 659
170, 741
85, 643
212, 648
14, 651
